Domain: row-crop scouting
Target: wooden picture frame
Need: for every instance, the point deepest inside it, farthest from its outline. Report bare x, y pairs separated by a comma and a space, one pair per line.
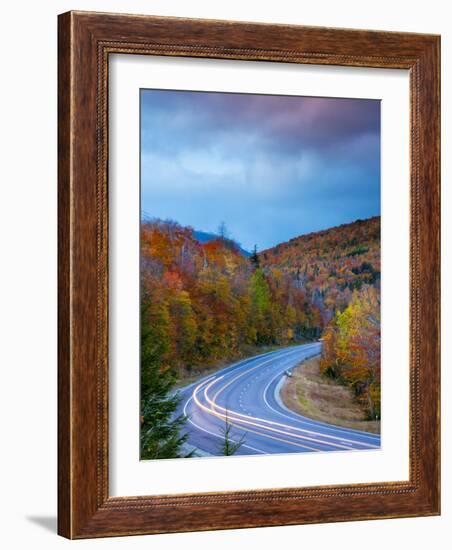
86, 40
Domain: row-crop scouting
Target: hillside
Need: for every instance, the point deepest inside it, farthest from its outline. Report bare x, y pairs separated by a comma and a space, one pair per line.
207, 302
329, 265
339, 271
204, 303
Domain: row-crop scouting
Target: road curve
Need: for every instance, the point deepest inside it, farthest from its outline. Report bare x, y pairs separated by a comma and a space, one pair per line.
247, 393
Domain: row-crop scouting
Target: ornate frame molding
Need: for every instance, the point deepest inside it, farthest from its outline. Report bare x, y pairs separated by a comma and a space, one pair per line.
85, 42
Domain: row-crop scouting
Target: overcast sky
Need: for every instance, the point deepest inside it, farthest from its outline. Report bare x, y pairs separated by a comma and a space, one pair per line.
270, 167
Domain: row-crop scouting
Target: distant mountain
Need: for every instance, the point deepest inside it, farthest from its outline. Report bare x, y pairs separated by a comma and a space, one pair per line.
330, 264
204, 237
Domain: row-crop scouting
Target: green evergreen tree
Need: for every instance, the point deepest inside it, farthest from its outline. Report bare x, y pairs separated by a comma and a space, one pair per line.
228, 446
254, 258
160, 435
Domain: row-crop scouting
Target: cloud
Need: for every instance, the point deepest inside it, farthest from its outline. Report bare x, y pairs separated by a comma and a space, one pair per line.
285, 121
272, 167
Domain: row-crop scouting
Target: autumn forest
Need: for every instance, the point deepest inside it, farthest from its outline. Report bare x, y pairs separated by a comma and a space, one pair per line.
207, 303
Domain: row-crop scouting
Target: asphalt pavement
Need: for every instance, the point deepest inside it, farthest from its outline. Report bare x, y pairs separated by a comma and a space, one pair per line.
245, 395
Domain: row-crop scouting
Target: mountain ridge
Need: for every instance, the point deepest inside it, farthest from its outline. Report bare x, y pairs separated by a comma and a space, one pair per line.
310, 234
330, 264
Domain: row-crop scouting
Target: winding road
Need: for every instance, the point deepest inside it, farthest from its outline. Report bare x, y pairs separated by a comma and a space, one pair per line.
247, 394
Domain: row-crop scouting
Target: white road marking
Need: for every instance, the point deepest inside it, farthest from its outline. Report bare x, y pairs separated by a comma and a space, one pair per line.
214, 411
217, 435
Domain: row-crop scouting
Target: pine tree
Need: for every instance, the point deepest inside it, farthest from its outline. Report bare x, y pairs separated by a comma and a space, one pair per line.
254, 258
160, 430
229, 447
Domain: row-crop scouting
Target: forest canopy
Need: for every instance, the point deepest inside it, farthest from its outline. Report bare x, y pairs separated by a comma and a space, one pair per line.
212, 302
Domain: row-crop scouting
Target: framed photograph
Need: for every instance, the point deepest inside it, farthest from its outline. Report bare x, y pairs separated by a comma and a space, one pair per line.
248, 275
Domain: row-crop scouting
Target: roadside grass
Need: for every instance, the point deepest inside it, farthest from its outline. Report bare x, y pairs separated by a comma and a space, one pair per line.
195, 374
310, 394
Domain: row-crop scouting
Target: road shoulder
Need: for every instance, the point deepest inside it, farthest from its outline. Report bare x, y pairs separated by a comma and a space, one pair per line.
310, 394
